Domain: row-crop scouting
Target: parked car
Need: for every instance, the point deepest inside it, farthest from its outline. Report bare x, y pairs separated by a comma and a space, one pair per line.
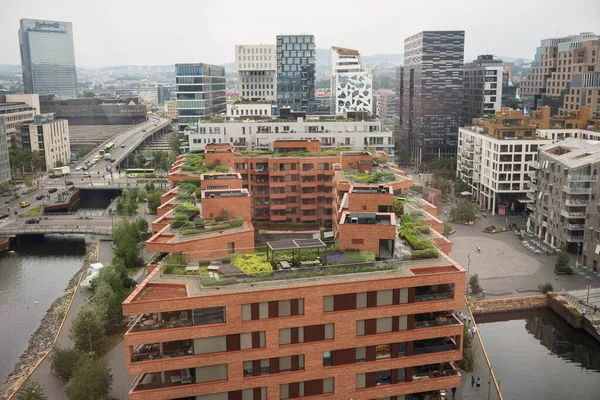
52, 190
69, 183
40, 196
112, 160
2, 216
122, 146
86, 174
33, 221
77, 168
24, 204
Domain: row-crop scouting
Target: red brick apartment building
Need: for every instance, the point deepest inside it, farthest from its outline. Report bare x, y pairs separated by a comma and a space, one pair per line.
293, 184
377, 335
387, 334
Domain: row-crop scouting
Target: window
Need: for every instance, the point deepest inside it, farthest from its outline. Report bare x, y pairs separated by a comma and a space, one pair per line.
326, 358
206, 316
383, 351
211, 373
272, 309
231, 247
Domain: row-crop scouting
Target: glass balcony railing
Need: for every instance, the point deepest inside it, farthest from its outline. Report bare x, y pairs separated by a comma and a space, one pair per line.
433, 346
427, 320
433, 293
178, 348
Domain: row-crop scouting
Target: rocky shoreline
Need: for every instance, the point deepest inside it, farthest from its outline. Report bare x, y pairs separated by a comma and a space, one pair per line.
43, 338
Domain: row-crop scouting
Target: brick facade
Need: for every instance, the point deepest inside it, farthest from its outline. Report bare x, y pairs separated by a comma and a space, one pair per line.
344, 335
233, 206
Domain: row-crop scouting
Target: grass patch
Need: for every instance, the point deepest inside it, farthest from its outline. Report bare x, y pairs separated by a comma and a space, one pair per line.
364, 177
252, 264
33, 211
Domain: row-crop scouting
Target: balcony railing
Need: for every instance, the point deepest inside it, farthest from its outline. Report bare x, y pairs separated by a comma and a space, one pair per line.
582, 178
574, 189
174, 349
534, 164
576, 203
434, 296
165, 379
437, 319
576, 227
574, 239
433, 371
571, 214
435, 346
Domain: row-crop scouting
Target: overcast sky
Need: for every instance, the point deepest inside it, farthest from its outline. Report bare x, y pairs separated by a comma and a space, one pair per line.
153, 32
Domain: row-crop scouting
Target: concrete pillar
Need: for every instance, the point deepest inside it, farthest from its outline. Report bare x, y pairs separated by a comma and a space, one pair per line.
493, 203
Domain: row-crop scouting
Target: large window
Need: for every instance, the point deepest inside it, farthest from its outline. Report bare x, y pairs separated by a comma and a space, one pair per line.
206, 316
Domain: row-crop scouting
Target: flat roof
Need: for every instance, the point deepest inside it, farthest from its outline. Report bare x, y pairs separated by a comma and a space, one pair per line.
295, 244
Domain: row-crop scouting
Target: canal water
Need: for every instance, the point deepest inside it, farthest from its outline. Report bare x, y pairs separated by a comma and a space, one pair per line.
32, 273
537, 355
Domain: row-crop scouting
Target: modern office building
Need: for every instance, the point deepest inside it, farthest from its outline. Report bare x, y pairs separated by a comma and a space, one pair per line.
17, 110
48, 58
432, 86
4, 160
257, 71
351, 82
200, 93
296, 72
259, 132
565, 74
482, 88
563, 197
50, 137
494, 157
163, 94
385, 106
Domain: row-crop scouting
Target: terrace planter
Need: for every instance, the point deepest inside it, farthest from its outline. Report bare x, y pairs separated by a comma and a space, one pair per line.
562, 273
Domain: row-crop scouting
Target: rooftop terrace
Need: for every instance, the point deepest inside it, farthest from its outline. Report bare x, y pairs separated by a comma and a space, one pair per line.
197, 286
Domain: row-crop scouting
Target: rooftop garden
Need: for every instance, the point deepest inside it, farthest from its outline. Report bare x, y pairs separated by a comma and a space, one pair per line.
366, 177
212, 119
195, 163
414, 230
255, 264
195, 228
301, 273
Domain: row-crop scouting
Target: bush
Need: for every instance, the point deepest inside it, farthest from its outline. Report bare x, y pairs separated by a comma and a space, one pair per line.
490, 228
546, 287
32, 391
64, 361
424, 254
562, 259
252, 264
474, 284
468, 358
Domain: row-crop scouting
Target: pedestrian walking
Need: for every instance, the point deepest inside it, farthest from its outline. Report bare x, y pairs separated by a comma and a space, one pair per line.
469, 320
478, 249
472, 381
454, 393
478, 384
472, 333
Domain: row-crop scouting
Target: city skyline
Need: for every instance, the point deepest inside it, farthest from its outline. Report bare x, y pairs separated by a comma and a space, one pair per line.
146, 39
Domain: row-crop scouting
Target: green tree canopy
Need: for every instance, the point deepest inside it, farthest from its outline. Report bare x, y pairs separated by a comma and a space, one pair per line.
91, 380
64, 361
464, 211
87, 327
32, 391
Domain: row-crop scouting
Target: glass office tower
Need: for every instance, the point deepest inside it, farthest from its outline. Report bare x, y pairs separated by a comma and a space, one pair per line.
200, 93
296, 72
48, 58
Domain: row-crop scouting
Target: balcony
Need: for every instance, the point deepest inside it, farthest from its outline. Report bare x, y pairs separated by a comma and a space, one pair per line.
574, 238
530, 206
582, 178
433, 293
178, 319
171, 379
576, 203
574, 189
572, 214
429, 320
433, 371
534, 164
575, 227
533, 186
436, 345
177, 348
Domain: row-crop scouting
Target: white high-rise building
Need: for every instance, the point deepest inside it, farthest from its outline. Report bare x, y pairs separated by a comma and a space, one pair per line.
351, 82
257, 71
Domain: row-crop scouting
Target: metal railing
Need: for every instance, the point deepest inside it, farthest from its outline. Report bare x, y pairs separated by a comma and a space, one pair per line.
582, 178
27, 230
574, 189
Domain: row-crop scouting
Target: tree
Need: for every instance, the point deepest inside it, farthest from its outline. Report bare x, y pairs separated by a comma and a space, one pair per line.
174, 143
464, 211
92, 380
447, 229
64, 361
87, 328
442, 184
153, 201
32, 391
444, 168
546, 287
109, 302
563, 261
84, 151
460, 186
474, 284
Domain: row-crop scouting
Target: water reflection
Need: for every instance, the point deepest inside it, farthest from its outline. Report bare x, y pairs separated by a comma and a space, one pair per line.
537, 355
556, 335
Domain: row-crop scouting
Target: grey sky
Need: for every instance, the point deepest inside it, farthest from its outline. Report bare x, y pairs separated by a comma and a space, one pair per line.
143, 32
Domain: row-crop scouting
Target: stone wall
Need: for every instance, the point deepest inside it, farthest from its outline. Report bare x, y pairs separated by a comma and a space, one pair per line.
509, 304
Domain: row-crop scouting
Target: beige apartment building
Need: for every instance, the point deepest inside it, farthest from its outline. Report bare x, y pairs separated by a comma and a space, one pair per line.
565, 74
17, 109
50, 137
